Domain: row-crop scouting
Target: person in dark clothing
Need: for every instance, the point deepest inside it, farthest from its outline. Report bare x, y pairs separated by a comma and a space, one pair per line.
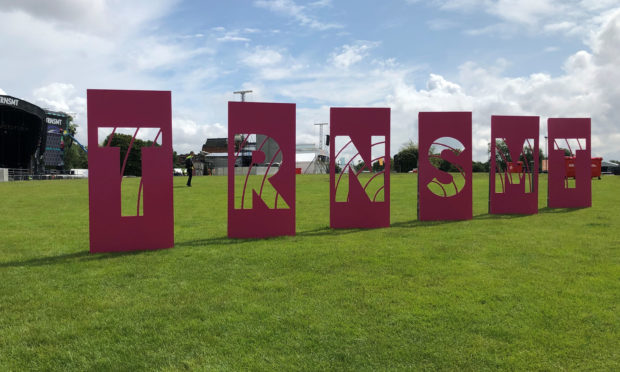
189, 166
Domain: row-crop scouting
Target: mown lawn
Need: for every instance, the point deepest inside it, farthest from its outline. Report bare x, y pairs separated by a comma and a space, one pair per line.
538, 292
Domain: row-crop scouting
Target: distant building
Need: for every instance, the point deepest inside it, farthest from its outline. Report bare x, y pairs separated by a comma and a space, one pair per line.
216, 145
214, 156
607, 167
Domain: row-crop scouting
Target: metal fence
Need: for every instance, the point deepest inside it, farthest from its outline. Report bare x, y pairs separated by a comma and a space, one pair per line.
16, 174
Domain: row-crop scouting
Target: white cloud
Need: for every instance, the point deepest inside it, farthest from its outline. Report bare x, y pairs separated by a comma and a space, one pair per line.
568, 18
188, 135
525, 11
234, 35
2, 92
102, 17
262, 56
153, 53
56, 61
60, 97
271, 64
588, 87
232, 38
298, 12
351, 54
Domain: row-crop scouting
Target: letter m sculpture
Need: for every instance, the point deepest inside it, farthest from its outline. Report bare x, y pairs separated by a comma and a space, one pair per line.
513, 186
261, 169
570, 184
110, 231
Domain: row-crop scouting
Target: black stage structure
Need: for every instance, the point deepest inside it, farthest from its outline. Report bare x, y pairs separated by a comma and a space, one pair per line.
31, 138
56, 123
22, 134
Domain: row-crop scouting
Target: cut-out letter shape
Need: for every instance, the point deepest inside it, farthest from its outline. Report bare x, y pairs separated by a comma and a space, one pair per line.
153, 228
444, 166
261, 169
513, 175
359, 194
569, 176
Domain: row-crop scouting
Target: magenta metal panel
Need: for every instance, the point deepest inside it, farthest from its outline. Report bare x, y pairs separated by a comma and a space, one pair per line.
518, 191
560, 133
154, 229
277, 122
360, 210
454, 202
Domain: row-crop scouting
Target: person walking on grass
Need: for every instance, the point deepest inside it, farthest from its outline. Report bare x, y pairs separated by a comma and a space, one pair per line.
189, 166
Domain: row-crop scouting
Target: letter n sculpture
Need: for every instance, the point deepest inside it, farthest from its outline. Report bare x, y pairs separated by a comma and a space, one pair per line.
261, 169
444, 166
360, 190
513, 175
569, 163
152, 224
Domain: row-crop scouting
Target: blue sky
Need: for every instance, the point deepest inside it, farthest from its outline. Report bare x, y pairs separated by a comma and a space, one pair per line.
545, 57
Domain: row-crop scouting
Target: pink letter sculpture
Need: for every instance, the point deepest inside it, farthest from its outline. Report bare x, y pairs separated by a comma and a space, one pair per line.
109, 230
569, 177
364, 134
513, 180
445, 145
261, 150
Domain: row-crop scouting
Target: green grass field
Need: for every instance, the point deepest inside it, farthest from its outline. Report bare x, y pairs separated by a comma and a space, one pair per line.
538, 292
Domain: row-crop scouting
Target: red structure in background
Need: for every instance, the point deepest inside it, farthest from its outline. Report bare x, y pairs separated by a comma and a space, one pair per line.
570, 167
454, 202
359, 209
109, 231
515, 167
518, 191
561, 192
277, 122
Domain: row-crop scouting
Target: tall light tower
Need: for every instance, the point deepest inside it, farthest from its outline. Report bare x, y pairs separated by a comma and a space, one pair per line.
321, 125
320, 163
242, 92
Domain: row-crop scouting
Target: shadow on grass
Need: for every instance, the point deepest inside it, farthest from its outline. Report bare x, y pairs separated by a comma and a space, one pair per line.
418, 223
218, 240
559, 210
484, 216
488, 216
224, 240
65, 258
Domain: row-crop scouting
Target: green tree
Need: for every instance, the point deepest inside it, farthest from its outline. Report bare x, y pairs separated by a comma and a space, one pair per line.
502, 155
528, 156
134, 160
378, 167
359, 166
478, 166
74, 157
407, 158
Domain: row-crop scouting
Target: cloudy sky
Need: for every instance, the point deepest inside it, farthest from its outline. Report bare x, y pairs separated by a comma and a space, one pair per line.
506, 57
